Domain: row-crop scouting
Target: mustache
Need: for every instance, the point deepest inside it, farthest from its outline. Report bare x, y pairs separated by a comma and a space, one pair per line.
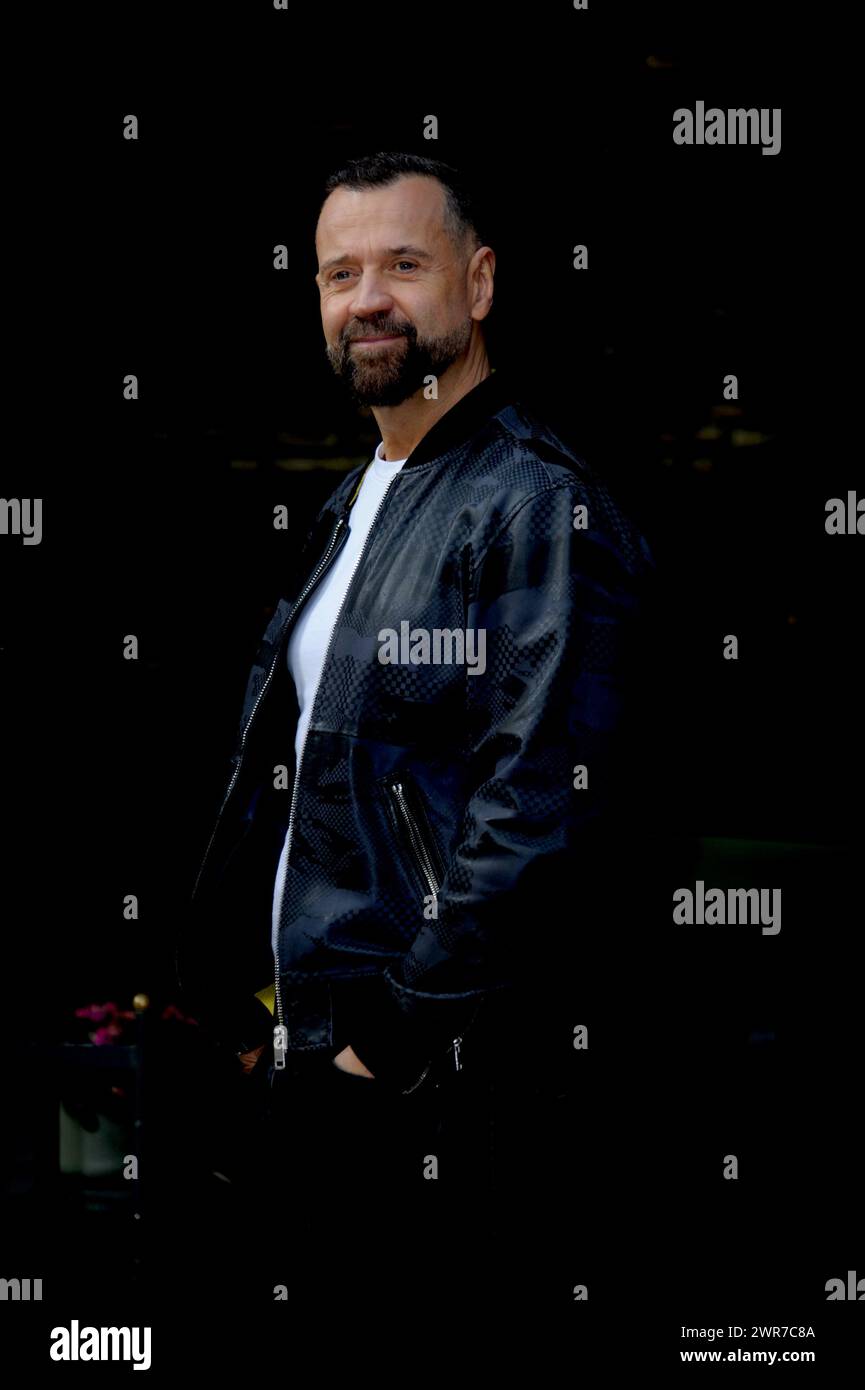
382, 331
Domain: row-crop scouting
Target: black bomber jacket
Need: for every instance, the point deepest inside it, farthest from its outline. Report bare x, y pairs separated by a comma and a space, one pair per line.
444, 799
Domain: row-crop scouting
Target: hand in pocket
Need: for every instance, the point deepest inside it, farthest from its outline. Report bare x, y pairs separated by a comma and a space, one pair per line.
248, 1059
348, 1061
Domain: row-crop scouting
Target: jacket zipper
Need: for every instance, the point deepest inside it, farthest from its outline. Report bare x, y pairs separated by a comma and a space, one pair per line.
280, 1031
325, 560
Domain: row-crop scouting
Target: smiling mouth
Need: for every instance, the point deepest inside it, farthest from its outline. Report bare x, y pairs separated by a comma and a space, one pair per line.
385, 338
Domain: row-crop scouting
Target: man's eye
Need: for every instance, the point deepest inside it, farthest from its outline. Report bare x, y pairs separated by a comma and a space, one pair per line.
412, 265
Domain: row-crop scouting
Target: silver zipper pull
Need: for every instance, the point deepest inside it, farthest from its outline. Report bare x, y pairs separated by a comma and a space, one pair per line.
280, 1044
456, 1047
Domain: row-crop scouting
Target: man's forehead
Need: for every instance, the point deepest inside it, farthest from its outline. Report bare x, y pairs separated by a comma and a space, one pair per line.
405, 211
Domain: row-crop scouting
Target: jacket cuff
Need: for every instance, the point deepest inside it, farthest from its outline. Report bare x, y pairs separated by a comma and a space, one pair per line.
238, 1027
255, 1026
390, 1045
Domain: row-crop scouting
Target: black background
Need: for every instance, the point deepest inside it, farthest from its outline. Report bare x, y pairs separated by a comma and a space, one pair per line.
157, 521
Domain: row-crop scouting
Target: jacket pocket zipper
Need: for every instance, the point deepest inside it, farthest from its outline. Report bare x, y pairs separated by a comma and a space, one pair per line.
453, 1047
403, 793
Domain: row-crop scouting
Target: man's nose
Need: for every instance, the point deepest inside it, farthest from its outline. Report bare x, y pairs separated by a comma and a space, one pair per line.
370, 296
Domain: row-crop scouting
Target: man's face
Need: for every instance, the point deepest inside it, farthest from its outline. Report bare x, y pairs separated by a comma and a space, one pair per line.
389, 271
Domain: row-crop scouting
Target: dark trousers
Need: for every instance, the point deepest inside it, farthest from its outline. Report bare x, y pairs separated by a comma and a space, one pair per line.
347, 1189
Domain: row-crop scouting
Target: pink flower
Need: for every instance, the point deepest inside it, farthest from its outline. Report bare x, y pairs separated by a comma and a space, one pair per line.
110, 1033
94, 1012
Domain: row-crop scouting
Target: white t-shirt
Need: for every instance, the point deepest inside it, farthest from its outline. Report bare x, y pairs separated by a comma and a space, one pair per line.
311, 634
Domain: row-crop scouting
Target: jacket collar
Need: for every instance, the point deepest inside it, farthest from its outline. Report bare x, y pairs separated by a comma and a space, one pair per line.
464, 418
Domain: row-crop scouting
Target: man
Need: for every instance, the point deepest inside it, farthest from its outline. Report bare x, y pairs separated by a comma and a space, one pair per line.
407, 862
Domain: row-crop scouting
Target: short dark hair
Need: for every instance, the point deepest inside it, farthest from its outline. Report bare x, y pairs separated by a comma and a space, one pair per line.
385, 167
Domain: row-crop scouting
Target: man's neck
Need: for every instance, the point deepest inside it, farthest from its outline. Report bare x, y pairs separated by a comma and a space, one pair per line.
404, 426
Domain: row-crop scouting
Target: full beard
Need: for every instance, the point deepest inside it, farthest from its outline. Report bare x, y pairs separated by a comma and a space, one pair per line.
390, 375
